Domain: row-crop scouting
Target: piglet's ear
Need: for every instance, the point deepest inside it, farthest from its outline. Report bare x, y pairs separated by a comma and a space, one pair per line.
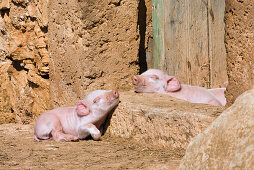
82, 108
173, 84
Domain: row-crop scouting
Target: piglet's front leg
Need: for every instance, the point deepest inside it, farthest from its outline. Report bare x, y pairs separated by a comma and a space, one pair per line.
89, 129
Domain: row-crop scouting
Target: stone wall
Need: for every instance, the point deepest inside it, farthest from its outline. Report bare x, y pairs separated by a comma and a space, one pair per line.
24, 60
95, 44
239, 37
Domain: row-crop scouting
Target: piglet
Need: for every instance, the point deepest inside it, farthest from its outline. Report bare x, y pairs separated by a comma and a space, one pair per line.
219, 93
156, 81
74, 123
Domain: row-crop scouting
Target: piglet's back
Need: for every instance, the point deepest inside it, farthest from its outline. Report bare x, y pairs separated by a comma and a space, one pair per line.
66, 117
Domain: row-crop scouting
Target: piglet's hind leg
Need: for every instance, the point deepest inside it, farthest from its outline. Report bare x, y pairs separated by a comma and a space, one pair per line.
58, 134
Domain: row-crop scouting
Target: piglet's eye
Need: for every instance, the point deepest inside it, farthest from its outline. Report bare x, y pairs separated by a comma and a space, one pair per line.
96, 100
155, 77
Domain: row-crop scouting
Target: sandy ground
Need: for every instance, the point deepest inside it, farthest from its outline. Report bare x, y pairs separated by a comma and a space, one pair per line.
18, 150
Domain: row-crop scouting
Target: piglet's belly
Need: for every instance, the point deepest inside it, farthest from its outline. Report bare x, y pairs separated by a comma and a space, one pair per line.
69, 124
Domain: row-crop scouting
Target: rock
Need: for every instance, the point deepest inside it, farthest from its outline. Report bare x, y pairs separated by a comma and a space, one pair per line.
239, 16
228, 143
22, 95
4, 4
22, 54
31, 8
160, 120
20, 2
42, 13
24, 60
36, 79
40, 43
29, 66
7, 118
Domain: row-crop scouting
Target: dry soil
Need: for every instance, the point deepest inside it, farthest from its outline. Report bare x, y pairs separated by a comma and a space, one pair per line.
18, 150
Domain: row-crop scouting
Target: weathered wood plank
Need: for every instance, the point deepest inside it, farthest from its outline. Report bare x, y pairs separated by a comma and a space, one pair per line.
158, 33
186, 45
189, 40
217, 51
176, 43
198, 59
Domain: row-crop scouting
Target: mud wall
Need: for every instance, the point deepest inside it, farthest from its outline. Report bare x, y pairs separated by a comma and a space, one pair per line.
239, 37
95, 44
24, 60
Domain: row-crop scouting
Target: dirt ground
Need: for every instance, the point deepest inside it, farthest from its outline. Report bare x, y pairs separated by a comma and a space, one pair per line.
18, 150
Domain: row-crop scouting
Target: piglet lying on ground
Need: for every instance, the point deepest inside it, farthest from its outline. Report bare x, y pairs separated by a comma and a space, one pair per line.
219, 93
73, 123
156, 81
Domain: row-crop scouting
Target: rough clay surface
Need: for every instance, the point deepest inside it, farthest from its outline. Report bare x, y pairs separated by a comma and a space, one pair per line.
229, 138
24, 60
18, 150
93, 44
160, 120
239, 26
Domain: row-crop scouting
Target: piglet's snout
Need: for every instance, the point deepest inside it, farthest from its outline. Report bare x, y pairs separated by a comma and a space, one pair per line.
115, 94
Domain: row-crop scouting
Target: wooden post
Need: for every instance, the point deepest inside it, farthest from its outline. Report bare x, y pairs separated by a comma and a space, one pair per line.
217, 51
188, 40
158, 32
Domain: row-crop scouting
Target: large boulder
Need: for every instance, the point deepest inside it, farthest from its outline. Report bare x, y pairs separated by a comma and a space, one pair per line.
228, 143
160, 120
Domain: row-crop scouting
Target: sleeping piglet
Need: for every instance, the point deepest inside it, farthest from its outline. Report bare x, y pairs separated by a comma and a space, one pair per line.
219, 93
73, 123
156, 81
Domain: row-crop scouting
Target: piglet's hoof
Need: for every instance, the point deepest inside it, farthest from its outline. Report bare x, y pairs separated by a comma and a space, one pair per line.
75, 139
70, 138
96, 136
